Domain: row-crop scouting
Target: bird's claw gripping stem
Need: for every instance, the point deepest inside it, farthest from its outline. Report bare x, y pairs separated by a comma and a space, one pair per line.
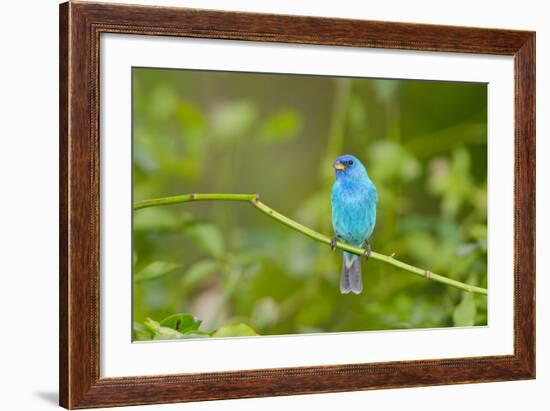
368, 250
333, 242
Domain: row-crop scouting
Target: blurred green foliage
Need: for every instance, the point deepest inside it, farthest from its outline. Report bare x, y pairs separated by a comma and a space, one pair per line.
223, 269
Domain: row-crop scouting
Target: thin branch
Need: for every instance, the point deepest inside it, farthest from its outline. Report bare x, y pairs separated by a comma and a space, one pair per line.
254, 200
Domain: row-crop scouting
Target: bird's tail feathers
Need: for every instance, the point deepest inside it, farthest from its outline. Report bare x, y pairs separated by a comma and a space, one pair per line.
350, 280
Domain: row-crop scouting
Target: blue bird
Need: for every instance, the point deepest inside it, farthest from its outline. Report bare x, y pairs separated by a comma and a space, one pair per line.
353, 199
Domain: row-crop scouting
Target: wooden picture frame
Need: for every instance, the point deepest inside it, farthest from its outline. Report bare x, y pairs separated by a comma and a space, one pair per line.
80, 27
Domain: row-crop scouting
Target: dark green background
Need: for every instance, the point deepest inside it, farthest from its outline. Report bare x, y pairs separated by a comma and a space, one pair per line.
423, 143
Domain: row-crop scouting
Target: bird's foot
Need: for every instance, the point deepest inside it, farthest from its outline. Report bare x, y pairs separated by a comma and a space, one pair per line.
368, 250
333, 242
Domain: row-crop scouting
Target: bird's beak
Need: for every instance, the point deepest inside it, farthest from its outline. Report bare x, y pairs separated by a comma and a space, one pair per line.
339, 166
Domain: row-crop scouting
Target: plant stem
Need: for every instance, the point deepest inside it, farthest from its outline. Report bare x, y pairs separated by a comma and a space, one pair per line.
192, 197
254, 200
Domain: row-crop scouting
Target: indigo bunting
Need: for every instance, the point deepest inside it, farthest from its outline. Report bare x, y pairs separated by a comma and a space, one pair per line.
353, 199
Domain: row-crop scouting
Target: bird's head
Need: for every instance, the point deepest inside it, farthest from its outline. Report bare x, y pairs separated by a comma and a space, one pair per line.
348, 166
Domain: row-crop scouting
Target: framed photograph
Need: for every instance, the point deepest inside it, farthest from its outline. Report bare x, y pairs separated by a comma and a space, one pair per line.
260, 205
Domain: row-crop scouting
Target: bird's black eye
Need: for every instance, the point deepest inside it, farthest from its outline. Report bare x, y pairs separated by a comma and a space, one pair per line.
350, 162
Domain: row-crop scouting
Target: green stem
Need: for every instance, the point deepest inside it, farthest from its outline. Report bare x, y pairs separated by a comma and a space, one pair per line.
193, 197
254, 200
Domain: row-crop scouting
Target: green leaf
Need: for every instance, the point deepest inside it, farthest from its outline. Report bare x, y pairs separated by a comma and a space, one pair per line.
141, 332
164, 330
155, 270
235, 330
182, 322
208, 237
196, 334
465, 312
281, 126
162, 333
199, 271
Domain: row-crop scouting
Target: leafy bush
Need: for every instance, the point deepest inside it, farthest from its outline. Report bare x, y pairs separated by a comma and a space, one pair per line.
423, 143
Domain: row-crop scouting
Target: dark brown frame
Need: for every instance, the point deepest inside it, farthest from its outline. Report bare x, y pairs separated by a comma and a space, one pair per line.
80, 27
